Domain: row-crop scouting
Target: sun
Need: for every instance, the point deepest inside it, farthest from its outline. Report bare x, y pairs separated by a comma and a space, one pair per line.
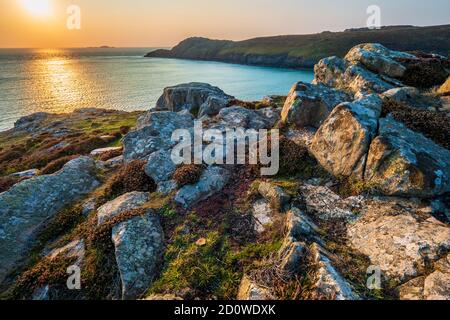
39, 8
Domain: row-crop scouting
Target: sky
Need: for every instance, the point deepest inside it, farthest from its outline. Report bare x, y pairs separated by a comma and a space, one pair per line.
163, 23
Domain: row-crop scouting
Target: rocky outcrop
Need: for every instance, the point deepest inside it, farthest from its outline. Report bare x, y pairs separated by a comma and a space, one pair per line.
138, 246
342, 142
29, 204
309, 105
398, 237
379, 59
197, 98
338, 73
403, 162
126, 202
154, 133
213, 179
101, 151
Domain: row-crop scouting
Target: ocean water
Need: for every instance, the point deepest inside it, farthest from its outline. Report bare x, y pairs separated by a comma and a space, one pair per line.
62, 80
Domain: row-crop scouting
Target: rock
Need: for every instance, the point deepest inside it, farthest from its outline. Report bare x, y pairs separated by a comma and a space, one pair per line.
26, 207
114, 162
154, 133
249, 290
397, 238
240, 117
262, 214
299, 226
275, 195
445, 88
337, 73
326, 205
139, 247
167, 187
160, 166
342, 142
271, 115
200, 98
126, 202
308, 105
435, 286
328, 282
404, 162
212, 180
31, 122
41, 294
88, 206
412, 97
379, 59
291, 256
101, 151
26, 174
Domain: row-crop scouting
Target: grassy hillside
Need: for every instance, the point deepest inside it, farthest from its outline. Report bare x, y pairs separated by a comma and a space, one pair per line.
298, 51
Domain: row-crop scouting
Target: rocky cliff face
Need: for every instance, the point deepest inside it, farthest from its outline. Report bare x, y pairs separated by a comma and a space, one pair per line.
358, 210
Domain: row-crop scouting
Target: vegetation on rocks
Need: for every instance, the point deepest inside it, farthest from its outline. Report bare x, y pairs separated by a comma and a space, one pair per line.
187, 174
434, 125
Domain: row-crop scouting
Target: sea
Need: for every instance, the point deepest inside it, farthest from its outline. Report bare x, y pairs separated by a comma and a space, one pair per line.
61, 80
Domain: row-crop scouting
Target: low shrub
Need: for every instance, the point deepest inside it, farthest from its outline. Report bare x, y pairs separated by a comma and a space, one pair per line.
110, 154
57, 164
188, 174
293, 157
425, 73
124, 130
433, 125
130, 177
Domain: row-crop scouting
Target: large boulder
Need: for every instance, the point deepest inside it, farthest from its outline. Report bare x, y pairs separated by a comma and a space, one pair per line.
338, 73
212, 180
342, 142
26, 207
200, 98
308, 105
139, 245
379, 59
404, 162
398, 237
154, 133
123, 203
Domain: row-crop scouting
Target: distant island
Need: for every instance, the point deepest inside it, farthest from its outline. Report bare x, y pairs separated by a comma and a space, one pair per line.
304, 51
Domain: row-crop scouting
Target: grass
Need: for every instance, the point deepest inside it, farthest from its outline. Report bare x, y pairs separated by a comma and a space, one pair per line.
19, 152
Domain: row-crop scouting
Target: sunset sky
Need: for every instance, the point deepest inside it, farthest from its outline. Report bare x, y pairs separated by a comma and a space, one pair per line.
163, 23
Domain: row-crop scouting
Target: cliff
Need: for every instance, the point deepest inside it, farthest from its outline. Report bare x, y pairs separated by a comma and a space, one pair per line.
303, 51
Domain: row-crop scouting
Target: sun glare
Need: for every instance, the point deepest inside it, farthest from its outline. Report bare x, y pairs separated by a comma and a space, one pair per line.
37, 7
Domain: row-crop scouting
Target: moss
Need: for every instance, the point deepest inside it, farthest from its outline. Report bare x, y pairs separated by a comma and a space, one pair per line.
187, 174
110, 154
425, 73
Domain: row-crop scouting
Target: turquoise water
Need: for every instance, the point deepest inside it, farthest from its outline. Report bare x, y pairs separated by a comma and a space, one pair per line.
65, 79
